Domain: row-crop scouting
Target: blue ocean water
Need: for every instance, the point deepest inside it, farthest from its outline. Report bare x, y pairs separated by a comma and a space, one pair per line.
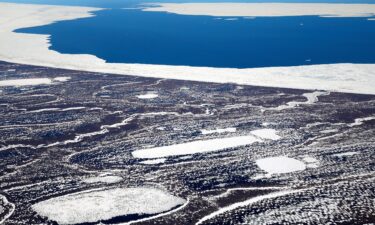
134, 36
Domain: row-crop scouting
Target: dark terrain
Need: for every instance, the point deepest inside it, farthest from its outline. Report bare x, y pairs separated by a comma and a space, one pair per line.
54, 136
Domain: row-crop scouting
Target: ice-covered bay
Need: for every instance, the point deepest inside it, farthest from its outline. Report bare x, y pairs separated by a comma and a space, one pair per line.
34, 49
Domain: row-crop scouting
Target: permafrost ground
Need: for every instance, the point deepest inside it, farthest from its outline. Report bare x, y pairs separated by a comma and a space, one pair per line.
71, 142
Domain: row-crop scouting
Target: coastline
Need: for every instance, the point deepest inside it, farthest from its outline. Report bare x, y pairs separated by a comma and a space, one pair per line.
264, 9
33, 49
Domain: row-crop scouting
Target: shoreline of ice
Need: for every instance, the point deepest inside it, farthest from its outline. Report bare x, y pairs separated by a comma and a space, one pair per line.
33, 49
247, 9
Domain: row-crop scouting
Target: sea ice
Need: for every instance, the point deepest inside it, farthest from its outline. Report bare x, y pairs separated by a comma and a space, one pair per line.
265, 9
353, 78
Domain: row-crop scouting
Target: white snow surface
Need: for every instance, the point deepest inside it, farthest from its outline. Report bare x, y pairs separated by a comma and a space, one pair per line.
346, 154
61, 79
247, 202
266, 134
359, 121
210, 145
194, 147
280, 164
311, 162
5, 216
31, 81
147, 96
96, 205
103, 179
219, 130
265, 9
25, 82
153, 161
309, 159
33, 49
311, 98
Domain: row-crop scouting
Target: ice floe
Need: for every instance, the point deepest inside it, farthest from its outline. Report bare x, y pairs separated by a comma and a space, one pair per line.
280, 164
203, 146
100, 205
353, 78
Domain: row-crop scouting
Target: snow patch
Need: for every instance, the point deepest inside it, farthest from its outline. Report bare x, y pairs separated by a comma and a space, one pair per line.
147, 96
11, 208
61, 79
359, 121
266, 134
25, 82
224, 130
328, 131
103, 179
311, 98
345, 154
154, 161
31, 81
311, 162
247, 202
